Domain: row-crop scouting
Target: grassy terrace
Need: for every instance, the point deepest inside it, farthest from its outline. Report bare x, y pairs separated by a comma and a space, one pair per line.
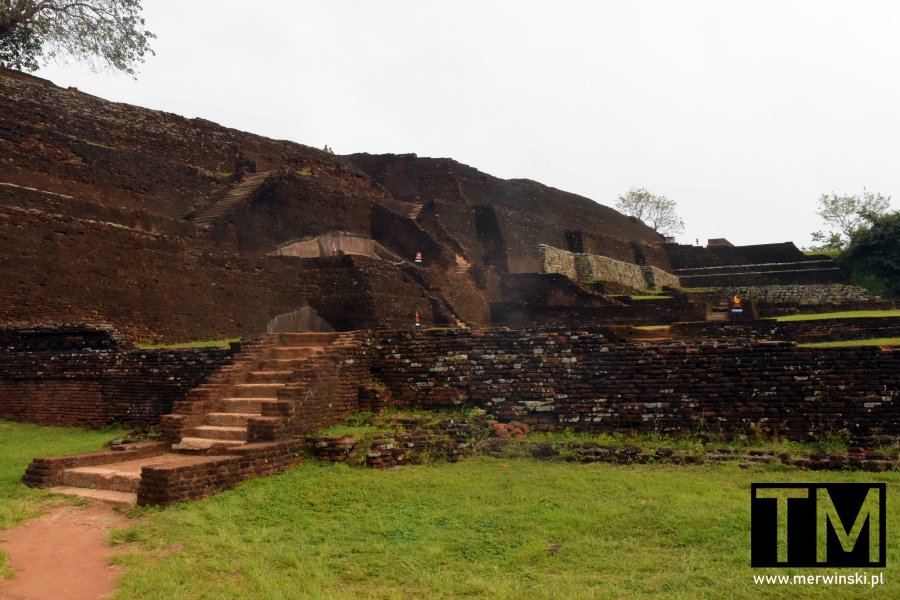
840, 315
223, 343
847, 343
479, 529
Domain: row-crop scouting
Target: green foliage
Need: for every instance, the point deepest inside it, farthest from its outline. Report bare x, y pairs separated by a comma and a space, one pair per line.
21, 46
873, 255
654, 211
103, 33
845, 215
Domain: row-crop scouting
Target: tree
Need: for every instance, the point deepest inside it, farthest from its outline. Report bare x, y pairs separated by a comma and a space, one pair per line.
103, 33
845, 215
657, 212
872, 257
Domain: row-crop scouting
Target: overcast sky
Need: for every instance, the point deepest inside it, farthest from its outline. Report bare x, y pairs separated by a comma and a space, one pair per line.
742, 112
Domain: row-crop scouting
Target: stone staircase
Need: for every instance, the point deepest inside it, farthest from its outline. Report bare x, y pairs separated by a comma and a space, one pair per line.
415, 210
235, 196
462, 265
234, 420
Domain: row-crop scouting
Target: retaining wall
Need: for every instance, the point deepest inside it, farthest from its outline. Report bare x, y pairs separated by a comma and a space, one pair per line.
799, 331
86, 377
570, 379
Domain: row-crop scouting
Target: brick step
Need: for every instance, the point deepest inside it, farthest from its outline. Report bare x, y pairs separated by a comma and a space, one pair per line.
292, 352
228, 419
120, 498
257, 390
243, 405
269, 376
193, 444
218, 432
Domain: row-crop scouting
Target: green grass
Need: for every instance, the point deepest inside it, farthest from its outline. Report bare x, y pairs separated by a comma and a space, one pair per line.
895, 341
21, 442
850, 314
477, 529
698, 290
223, 343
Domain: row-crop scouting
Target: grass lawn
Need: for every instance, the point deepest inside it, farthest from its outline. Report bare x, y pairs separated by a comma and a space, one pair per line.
844, 343
21, 442
478, 529
841, 315
223, 343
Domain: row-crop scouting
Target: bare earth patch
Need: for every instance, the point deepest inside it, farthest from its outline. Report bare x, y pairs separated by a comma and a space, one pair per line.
63, 554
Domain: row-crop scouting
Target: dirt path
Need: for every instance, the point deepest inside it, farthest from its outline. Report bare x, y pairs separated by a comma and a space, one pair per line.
62, 554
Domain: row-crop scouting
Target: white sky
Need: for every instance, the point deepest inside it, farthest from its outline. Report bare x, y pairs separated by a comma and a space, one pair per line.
742, 112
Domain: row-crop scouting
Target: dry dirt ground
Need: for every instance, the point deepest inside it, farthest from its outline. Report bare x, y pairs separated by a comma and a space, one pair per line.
62, 554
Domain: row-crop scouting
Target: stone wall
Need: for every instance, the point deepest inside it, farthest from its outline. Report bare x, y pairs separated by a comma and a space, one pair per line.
570, 379
799, 331
586, 268
801, 294
664, 311
591, 267
691, 257
660, 279
83, 376
554, 260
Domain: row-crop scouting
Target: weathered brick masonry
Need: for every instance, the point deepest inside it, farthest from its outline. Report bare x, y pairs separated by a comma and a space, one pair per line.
570, 379
798, 331
89, 377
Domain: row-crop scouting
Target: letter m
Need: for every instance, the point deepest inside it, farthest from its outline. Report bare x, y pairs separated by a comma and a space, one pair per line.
826, 514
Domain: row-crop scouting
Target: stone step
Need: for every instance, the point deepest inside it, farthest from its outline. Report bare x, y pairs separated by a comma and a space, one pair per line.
243, 405
293, 352
218, 432
283, 364
257, 390
313, 338
228, 419
269, 376
190, 444
103, 477
121, 498
121, 476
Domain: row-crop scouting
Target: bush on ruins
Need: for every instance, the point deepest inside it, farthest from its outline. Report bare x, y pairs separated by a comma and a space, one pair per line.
873, 255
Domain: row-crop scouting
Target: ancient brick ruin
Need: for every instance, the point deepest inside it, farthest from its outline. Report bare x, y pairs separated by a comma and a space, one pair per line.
123, 225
